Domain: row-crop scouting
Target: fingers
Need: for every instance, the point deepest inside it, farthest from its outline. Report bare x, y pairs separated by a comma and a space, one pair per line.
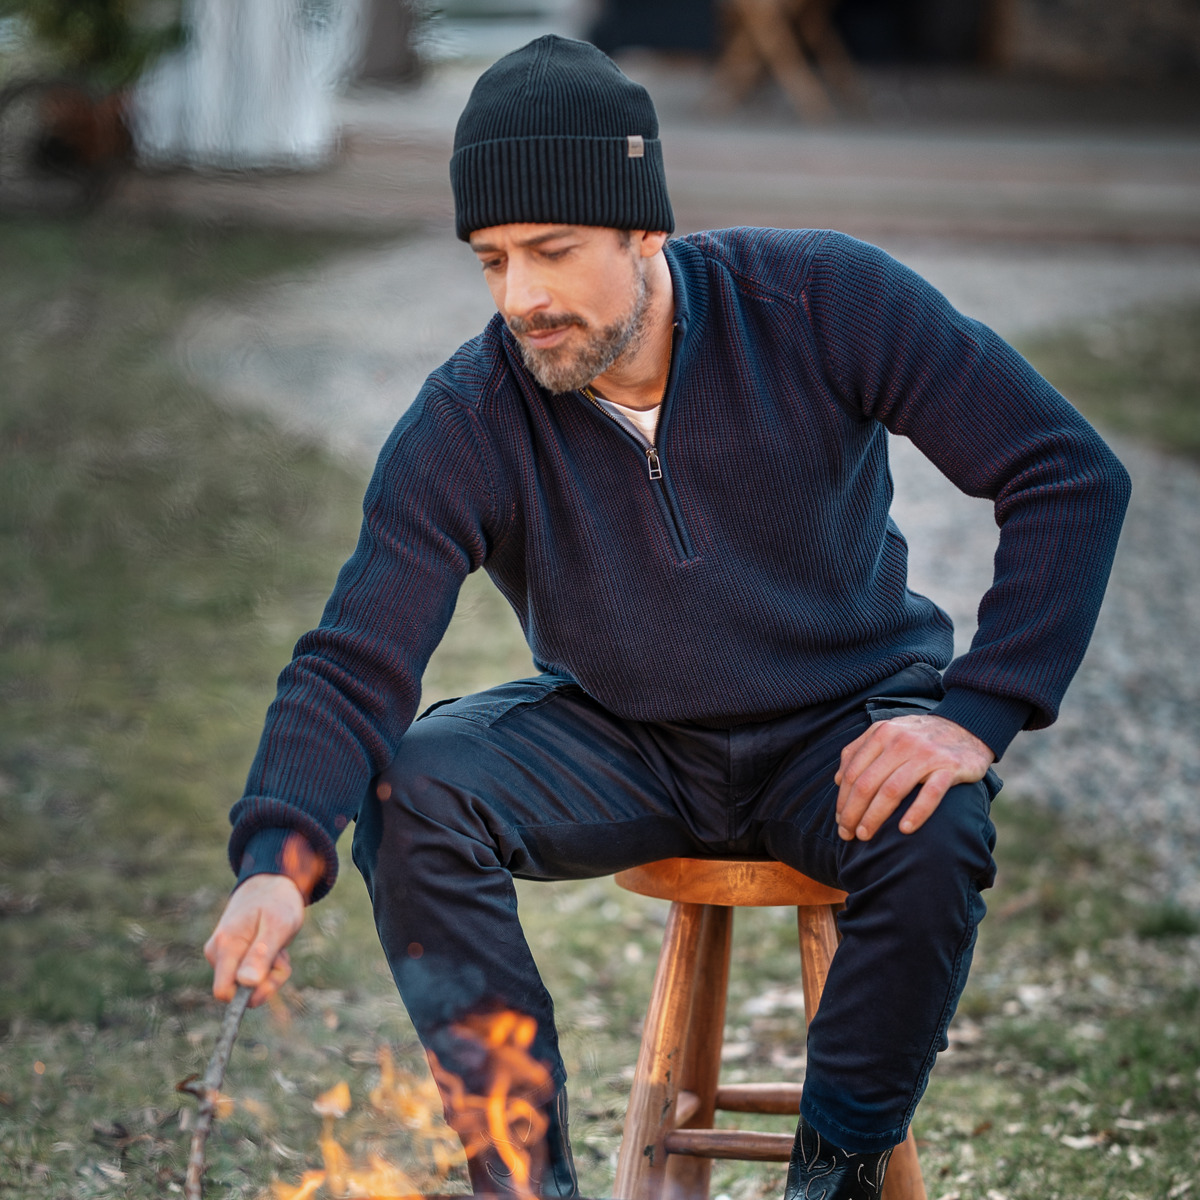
224, 957
877, 793
892, 758
258, 962
280, 972
863, 770
926, 802
247, 948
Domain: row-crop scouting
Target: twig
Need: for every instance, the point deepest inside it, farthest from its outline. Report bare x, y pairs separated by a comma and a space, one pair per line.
208, 1090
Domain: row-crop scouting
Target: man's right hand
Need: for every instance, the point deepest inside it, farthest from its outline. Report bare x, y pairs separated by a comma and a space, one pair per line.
248, 945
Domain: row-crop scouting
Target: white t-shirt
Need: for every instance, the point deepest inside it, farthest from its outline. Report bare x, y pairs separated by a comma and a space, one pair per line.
643, 420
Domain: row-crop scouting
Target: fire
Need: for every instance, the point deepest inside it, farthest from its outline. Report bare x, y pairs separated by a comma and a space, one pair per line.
507, 1120
403, 1096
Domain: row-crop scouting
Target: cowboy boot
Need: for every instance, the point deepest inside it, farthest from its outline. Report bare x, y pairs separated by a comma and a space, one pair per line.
551, 1164
819, 1170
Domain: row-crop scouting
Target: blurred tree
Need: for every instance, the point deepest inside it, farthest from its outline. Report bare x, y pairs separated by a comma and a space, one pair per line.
109, 41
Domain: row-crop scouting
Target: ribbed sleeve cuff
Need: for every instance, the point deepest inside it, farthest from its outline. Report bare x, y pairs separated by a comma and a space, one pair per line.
995, 720
265, 855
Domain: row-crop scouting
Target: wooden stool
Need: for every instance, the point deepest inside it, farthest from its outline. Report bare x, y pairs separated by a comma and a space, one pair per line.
669, 1141
775, 37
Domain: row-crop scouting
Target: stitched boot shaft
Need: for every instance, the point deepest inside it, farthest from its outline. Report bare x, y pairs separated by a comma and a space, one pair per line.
819, 1170
551, 1164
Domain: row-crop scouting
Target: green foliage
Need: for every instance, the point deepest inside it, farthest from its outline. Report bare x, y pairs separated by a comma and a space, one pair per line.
1168, 921
109, 41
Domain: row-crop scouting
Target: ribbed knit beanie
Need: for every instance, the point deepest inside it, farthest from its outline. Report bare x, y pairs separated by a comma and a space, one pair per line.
555, 133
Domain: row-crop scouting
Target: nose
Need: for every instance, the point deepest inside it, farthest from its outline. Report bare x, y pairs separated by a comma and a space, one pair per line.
524, 291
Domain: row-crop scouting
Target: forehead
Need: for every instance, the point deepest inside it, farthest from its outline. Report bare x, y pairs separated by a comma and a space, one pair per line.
516, 236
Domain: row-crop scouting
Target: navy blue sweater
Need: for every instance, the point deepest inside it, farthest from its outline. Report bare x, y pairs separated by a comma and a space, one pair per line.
759, 574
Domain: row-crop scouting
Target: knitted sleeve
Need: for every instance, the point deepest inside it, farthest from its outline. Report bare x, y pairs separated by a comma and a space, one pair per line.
896, 351
353, 685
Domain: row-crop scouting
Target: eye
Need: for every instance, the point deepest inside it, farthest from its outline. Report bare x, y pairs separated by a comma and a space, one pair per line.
490, 264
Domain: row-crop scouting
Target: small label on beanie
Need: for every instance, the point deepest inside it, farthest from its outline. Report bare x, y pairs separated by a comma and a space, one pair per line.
637, 146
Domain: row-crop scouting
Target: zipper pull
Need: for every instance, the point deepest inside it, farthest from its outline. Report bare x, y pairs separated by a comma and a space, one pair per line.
653, 463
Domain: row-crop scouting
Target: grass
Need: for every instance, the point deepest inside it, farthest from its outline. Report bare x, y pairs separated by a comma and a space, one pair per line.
1137, 374
160, 554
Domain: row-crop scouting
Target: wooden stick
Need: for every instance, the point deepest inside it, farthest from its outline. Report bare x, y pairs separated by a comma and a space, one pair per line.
208, 1090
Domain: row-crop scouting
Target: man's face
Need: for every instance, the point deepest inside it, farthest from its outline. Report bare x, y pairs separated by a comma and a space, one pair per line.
575, 296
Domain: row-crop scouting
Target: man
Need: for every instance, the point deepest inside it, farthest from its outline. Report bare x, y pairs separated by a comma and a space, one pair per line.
671, 458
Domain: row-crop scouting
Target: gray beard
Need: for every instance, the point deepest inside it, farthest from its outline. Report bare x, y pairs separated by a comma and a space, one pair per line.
563, 369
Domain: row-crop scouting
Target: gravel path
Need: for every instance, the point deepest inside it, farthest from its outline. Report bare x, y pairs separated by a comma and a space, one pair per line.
339, 354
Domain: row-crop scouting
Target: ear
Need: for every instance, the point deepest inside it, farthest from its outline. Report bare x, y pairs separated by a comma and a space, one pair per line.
648, 242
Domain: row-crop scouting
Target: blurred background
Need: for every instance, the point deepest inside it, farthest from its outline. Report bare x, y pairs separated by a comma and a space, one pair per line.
226, 264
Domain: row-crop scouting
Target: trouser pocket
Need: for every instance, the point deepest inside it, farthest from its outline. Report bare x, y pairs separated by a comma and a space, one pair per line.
487, 708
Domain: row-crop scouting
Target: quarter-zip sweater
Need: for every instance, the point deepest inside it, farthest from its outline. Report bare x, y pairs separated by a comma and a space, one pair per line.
743, 566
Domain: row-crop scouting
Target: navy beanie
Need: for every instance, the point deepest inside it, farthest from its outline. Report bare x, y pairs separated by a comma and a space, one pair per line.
554, 133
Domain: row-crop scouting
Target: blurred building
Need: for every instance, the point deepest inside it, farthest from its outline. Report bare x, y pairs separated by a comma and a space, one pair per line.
1088, 39
1144, 40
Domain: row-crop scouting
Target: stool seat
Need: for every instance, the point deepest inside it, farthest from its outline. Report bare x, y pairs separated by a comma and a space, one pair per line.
731, 882
669, 1142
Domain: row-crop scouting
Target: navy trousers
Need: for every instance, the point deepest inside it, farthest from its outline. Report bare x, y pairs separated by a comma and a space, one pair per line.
534, 779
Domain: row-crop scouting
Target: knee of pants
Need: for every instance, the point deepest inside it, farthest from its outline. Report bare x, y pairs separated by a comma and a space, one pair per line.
429, 793
950, 852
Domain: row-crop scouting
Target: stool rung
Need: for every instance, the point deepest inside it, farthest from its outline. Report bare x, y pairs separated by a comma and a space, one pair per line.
743, 1144
780, 1099
687, 1104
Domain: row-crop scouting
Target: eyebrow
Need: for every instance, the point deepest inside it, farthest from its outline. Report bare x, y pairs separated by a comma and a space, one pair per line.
536, 240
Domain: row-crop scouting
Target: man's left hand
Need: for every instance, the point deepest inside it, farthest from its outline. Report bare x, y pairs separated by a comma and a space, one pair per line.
883, 765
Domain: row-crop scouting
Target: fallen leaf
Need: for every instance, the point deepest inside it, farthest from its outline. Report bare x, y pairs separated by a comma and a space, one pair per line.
335, 1102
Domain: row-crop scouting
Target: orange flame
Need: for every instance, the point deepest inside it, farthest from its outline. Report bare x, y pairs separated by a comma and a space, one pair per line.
507, 1120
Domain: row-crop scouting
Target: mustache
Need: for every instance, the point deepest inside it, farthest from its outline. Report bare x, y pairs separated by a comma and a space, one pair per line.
542, 321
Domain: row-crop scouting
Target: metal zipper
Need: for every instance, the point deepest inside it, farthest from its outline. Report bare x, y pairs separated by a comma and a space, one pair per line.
653, 464
651, 452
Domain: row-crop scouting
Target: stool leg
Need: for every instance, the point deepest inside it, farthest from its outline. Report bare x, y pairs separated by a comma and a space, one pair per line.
818, 941
903, 1179
688, 1175
641, 1164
